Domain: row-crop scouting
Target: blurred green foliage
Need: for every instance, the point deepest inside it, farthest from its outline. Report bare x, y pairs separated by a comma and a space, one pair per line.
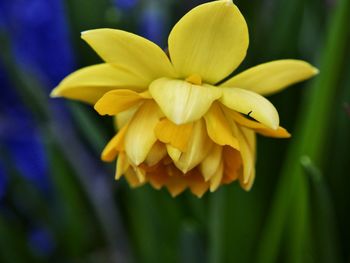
298, 209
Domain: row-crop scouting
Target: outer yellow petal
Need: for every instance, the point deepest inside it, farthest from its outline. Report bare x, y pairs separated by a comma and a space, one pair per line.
211, 40
252, 104
176, 135
140, 136
183, 102
259, 128
271, 77
218, 127
91, 83
199, 147
131, 52
211, 163
115, 145
116, 101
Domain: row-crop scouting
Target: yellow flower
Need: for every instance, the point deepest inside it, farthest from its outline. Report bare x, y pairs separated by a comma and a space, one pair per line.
177, 127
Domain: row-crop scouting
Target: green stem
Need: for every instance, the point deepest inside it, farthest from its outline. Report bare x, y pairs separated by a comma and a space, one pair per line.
216, 226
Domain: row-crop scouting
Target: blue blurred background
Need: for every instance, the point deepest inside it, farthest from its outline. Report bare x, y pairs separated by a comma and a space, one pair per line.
60, 203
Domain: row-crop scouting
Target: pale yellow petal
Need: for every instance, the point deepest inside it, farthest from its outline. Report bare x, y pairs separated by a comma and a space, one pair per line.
252, 104
115, 145
124, 117
215, 181
218, 127
131, 52
248, 185
174, 153
176, 135
181, 101
272, 77
199, 147
122, 165
211, 40
140, 173
91, 83
211, 163
250, 137
260, 128
140, 136
116, 101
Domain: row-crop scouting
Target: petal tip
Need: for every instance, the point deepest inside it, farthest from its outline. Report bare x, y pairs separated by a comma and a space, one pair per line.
288, 135
228, 2
99, 109
55, 93
315, 71
84, 33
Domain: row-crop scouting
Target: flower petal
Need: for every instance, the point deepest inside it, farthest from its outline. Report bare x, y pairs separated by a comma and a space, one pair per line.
272, 77
140, 173
211, 40
176, 135
90, 83
183, 102
217, 177
248, 185
211, 163
248, 151
124, 117
130, 51
115, 145
196, 183
122, 165
156, 154
175, 185
252, 104
174, 153
218, 128
232, 164
140, 136
131, 177
199, 147
259, 128
116, 101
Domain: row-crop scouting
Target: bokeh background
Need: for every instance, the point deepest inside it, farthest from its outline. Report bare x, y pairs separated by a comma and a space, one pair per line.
60, 203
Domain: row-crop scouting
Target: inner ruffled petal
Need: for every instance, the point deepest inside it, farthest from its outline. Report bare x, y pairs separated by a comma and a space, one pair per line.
252, 104
181, 101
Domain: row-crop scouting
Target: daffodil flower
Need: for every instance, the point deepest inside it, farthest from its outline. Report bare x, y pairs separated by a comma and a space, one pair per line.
177, 127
